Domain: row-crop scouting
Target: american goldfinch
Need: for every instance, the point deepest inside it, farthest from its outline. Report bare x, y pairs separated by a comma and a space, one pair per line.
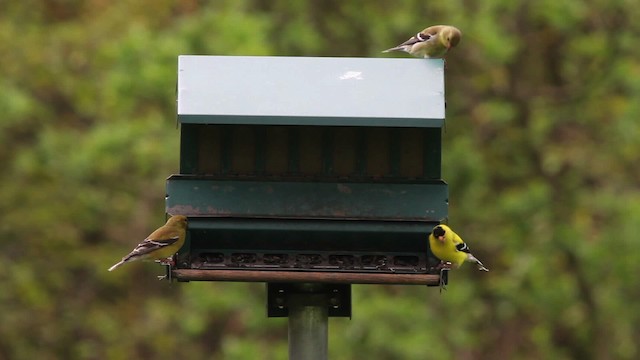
432, 42
446, 245
161, 244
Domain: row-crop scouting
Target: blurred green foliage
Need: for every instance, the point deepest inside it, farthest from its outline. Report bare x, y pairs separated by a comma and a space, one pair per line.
541, 152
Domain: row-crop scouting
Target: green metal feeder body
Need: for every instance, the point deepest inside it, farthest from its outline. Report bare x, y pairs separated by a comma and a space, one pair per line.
304, 164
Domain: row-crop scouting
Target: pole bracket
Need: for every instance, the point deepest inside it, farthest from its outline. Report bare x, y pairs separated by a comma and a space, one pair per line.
338, 297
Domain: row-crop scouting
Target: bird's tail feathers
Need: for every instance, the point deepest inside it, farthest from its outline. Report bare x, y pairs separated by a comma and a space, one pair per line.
397, 48
481, 267
478, 262
117, 265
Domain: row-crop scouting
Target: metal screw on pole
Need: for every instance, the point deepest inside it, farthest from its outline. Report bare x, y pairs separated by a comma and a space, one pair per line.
308, 323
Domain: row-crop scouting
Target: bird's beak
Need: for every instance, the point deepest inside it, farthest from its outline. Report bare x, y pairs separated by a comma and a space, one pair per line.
441, 238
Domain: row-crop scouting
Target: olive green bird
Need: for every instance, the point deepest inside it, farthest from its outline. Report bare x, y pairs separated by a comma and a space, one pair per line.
432, 42
161, 244
448, 246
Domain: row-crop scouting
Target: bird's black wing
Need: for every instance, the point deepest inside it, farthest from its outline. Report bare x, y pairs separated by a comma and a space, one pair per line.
463, 247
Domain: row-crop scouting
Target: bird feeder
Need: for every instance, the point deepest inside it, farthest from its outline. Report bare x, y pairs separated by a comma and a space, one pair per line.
298, 169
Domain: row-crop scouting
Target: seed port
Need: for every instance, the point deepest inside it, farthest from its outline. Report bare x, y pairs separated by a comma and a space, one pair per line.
275, 259
244, 258
211, 258
406, 261
374, 260
343, 261
306, 260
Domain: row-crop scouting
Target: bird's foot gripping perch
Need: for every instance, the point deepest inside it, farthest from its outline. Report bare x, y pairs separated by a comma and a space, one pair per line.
444, 267
169, 263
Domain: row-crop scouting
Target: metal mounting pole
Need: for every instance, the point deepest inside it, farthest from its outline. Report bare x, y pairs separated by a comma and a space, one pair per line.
308, 323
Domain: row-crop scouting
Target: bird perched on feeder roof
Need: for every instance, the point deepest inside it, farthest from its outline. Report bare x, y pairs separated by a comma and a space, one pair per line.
161, 244
432, 42
448, 246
